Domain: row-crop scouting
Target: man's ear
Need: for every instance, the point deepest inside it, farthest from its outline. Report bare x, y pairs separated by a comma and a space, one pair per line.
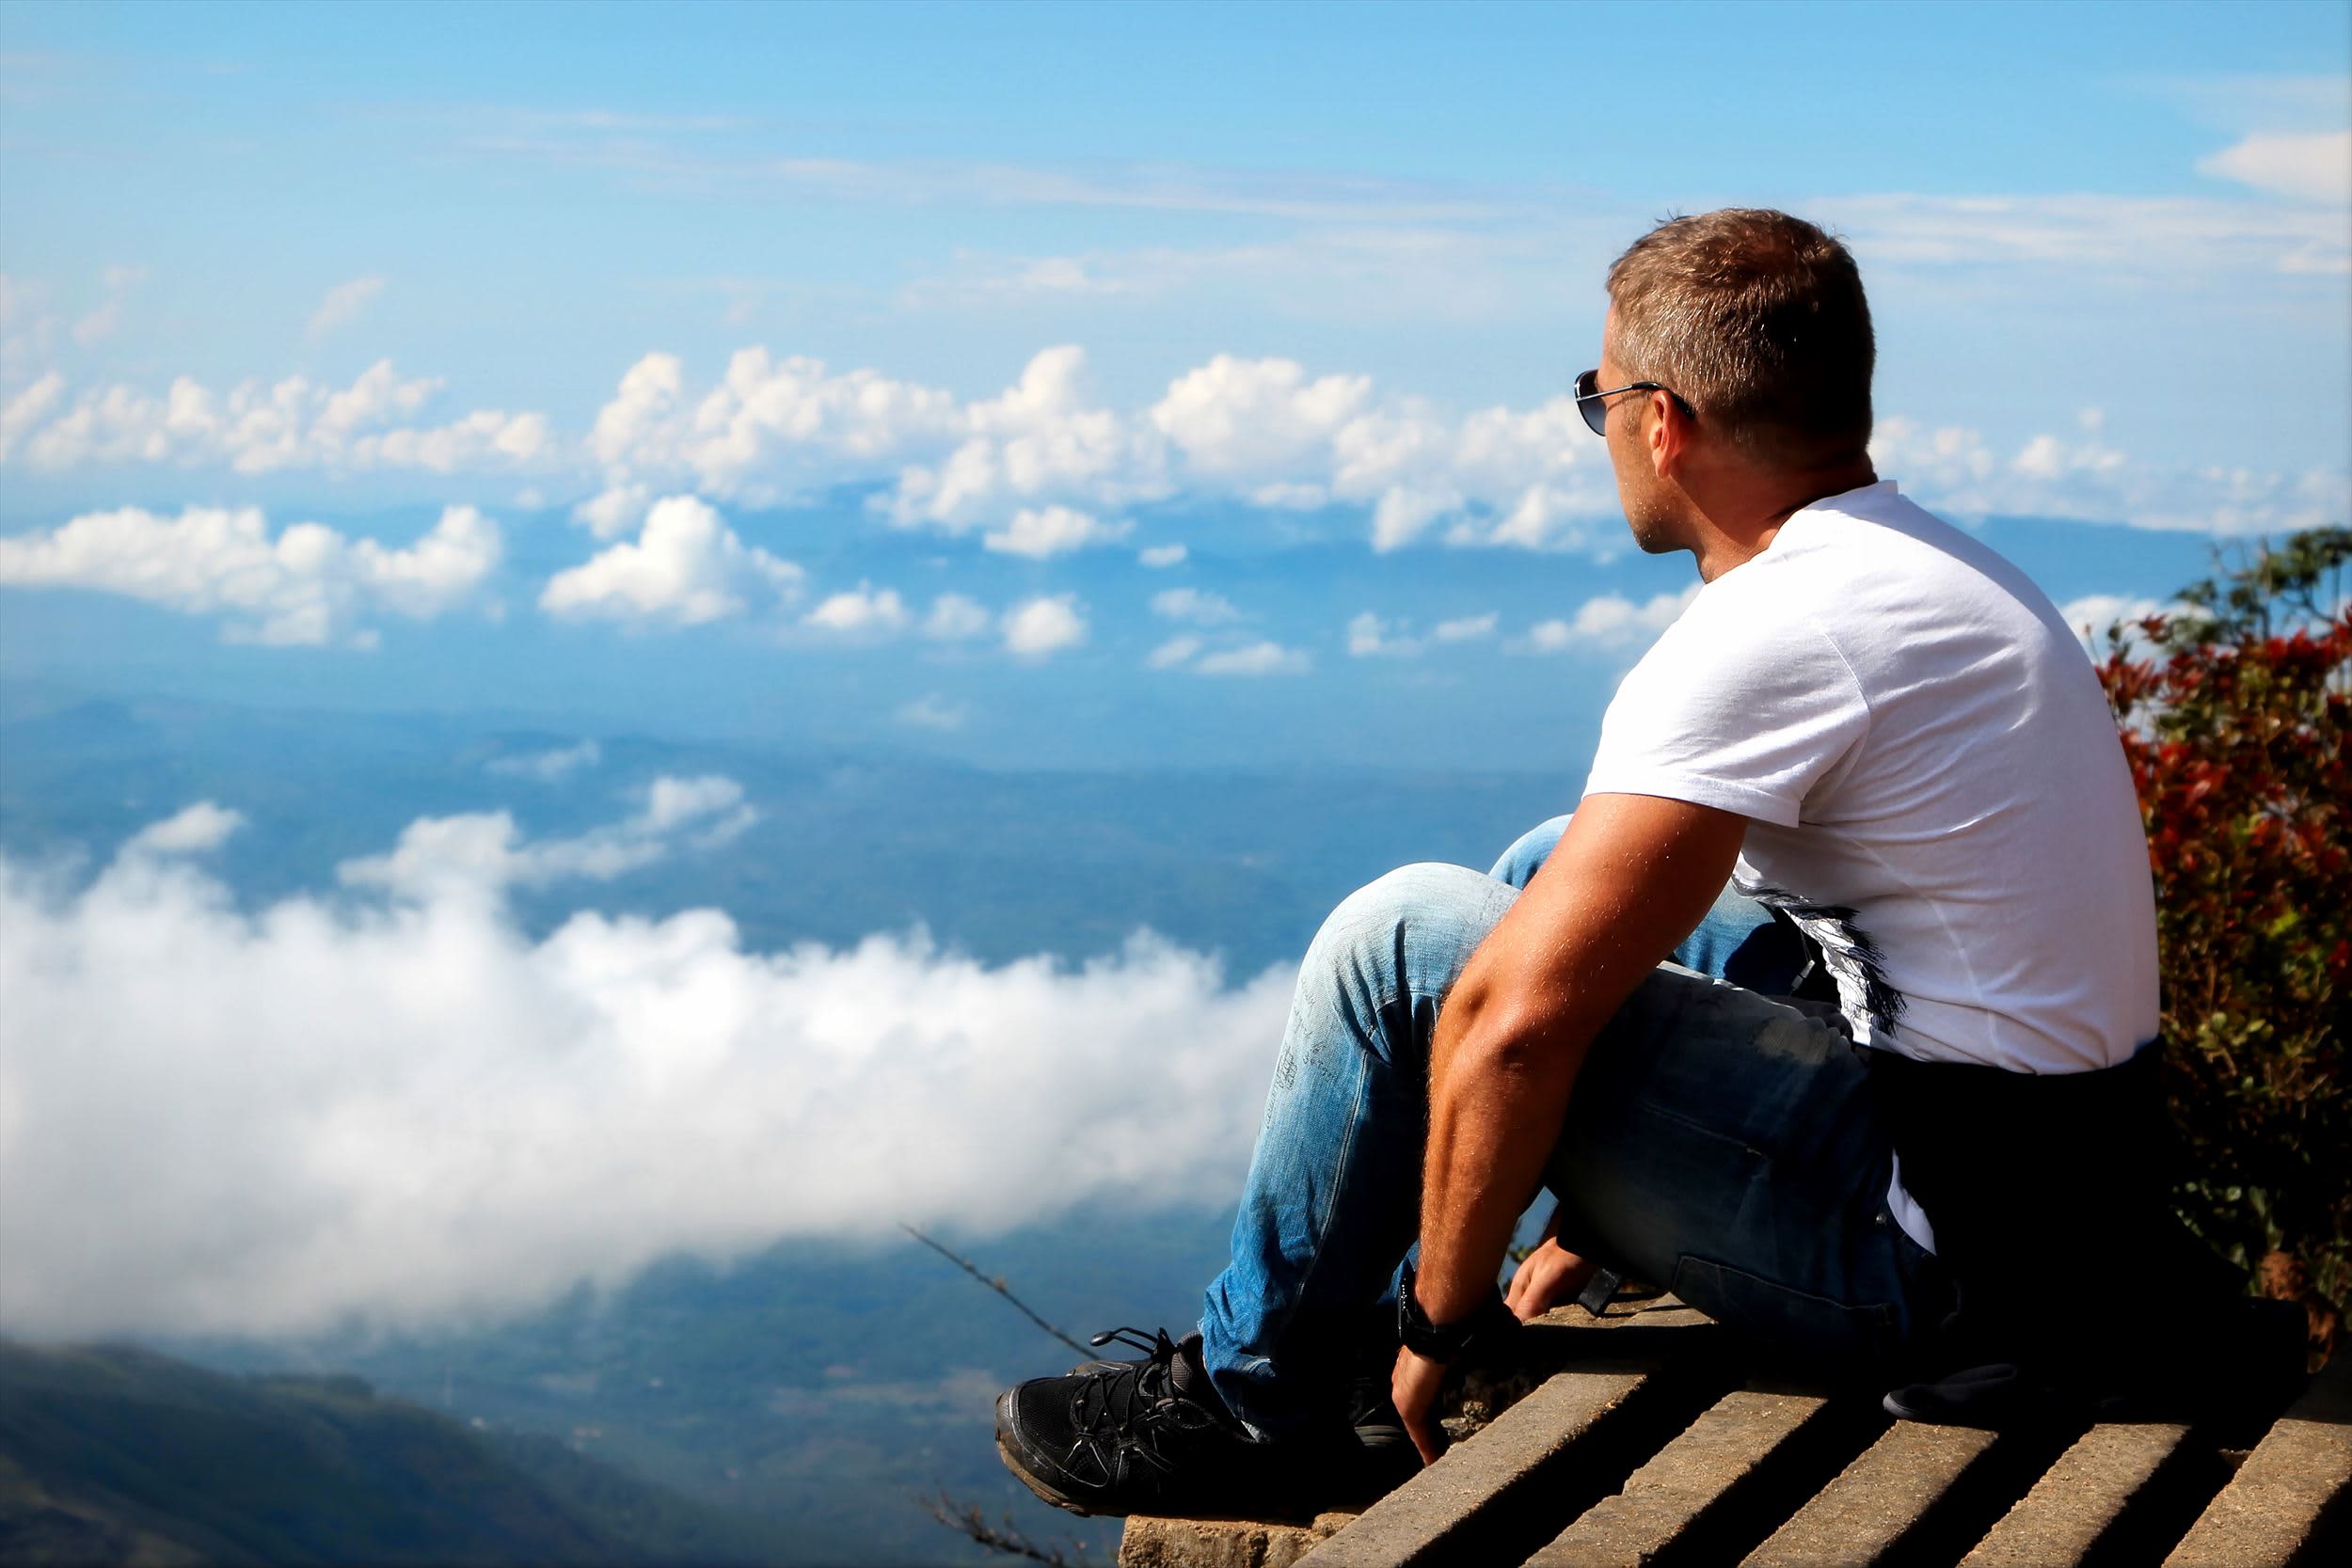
1669, 435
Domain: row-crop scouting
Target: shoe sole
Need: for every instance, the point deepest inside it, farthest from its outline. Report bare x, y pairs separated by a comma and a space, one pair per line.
1023, 1474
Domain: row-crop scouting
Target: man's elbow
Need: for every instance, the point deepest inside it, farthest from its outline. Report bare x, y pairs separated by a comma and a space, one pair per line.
1504, 1031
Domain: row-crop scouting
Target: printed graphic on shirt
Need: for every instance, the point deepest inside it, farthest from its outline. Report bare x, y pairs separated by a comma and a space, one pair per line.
1847, 951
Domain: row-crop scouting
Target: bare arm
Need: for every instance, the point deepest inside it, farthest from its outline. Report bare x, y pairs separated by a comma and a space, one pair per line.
1629, 878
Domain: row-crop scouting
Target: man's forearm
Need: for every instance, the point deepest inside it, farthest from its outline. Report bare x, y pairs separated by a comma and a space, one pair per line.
1626, 882
1498, 1082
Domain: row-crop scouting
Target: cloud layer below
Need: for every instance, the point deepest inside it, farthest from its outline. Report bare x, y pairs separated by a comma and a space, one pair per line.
399, 1108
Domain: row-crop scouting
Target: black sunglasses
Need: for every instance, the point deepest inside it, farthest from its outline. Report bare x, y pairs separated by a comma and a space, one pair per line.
1595, 412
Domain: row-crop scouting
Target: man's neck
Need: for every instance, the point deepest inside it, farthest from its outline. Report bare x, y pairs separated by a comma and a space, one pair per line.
1739, 525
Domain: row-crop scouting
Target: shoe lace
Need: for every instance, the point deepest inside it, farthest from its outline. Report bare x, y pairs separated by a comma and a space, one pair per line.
1124, 1409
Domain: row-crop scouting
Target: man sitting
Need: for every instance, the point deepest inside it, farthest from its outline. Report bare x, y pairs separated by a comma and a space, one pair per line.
1870, 758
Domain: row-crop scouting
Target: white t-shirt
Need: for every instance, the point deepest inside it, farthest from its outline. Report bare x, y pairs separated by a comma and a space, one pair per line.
1936, 789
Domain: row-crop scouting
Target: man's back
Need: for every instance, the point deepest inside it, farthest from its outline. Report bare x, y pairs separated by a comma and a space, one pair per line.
1932, 780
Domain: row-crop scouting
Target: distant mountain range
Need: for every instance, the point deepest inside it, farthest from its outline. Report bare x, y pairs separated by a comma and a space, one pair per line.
113, 1454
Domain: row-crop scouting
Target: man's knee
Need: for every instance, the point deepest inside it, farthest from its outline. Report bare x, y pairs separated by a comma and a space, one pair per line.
1411, 927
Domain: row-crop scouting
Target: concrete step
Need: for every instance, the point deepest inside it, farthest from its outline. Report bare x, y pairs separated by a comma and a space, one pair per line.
1633, 1438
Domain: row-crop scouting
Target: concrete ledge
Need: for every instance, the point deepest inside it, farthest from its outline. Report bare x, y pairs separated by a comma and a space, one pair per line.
1617, 1441
2069, 1509
1666, 1498
2295, 1488
1221, 1543
1881, 1498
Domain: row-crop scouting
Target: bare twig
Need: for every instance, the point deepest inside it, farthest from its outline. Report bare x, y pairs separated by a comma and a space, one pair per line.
995, 1283
1005, 1536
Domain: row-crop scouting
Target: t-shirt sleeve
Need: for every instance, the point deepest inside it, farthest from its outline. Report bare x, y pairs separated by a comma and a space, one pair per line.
1742, 712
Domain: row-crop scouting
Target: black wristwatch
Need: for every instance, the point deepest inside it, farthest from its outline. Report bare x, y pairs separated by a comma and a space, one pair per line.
1443, 1343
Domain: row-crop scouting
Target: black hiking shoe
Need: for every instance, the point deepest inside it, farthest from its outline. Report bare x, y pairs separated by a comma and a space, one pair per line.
1152, 1437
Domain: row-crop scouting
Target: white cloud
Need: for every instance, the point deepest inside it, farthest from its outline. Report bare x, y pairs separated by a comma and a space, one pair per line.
1173, 651
1469, 628
1257, 421
685, 568
1254, 659
309, 585
501, 1117
549, 767
768, 432
1610, 621
1194, 604
2093, 614
196, 830
2316, 168
26, 409
342, 304
1369, 637
1156, 557
294, 423
862, 611
1040, 627
1041, 532
1955, 471
481, 854
613, 512
931, 711
954, 618
1044, 438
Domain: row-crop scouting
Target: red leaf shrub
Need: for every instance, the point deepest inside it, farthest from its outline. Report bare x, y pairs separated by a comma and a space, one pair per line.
2233, 714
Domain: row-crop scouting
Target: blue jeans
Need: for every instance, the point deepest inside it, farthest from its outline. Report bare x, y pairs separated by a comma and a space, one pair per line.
1718, 1143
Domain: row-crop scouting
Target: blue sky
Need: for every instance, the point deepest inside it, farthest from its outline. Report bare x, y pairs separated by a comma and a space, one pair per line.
1105, 388
938, 319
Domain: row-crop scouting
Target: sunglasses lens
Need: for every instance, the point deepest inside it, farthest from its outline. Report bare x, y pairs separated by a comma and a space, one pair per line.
1595, 412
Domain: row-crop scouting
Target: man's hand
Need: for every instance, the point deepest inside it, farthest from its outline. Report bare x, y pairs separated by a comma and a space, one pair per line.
1414, 1386
1551, 1275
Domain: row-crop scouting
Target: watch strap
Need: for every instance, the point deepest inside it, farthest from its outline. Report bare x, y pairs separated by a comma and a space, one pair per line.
1446, 1341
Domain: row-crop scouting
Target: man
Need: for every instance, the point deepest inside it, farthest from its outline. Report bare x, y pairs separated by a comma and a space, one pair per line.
1880, 735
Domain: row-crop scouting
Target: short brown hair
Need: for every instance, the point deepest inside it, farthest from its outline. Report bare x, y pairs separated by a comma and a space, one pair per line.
1757, 321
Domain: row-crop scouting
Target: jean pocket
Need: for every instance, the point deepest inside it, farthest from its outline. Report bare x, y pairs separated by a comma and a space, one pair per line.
1795, 1320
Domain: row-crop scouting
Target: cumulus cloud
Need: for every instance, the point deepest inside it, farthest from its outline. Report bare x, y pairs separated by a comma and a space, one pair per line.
1041, 532
1254, 659
491, 1118
1044, 438
1200, 607
1612, 621
2316, 168
1035, 465
684, 567
292, 423
1042, 467
1042, 626
549, 767
310, 585
342, 304
481, 854
768, 432
861, 612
